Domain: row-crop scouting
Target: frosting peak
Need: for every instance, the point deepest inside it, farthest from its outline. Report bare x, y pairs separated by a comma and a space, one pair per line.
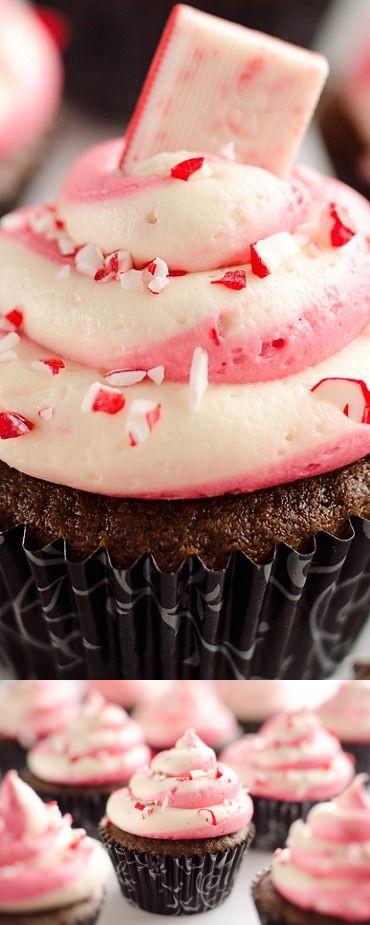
187, 704
347, 713
30, 710
185, 793
44, 863
326, 866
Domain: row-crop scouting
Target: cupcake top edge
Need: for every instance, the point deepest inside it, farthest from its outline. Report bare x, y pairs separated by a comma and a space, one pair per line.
187, 703
30, 710
44, 863
325, 867
347, 712
185, 793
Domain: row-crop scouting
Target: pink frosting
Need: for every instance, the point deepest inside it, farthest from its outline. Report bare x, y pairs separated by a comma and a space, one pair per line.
326, 866
347, 712
40, 854
30, 710
129, 693
189, 703
291, 758
185, 793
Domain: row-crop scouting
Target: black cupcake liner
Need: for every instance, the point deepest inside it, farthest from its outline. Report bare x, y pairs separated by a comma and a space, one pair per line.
361, 754
174, 886
12, 756
294, 617
273, 819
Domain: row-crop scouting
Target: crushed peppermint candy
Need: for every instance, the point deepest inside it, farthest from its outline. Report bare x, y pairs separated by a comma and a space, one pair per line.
9, 341
156, 374
268, 254
66, 246
52, 365
198, 380
233, 279
132, 279
185, 169
89, 259
46, 413
15, 317
342, 229
350, 396
114, 265
208, 815
125, 377
103, 398
140, 806
155, 275
158, 284
142, 416
13, 425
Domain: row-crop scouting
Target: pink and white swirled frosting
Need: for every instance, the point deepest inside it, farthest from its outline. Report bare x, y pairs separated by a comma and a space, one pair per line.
44, 863
30, 77
129, 693
153, 349
326, 866
347, 713
291, 758
187, 704
185, 793
30, 710
102, 746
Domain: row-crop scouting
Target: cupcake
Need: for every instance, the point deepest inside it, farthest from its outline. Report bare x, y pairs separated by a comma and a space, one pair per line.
322, 877
177, 834
362, 670
188, 703
129, 693
111, 44
253, 702
30, 87
288, 767
29, 711
49, 872
347, 715
185, 472
82, 764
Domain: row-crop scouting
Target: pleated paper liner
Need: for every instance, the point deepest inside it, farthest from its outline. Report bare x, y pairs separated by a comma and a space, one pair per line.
295, 617
273, 820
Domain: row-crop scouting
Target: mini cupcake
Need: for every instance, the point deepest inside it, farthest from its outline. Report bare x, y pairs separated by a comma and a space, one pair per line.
290, 765
49, 872
81, 765
30, 87
129, 693
253, 702
322, 877
177, 834
188, 703
29, 711
347, 715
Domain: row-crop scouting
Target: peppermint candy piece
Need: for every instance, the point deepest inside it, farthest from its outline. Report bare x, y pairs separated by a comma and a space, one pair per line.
185, 169
9, 341
350, 396
53, 366
103, 398
198, 380
142, 416
233, 279
342, 228
13, 425
89, 259
123, 377
15, 317
268, 254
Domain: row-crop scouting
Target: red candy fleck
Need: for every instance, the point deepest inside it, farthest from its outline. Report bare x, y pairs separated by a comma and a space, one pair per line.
55, 364
108, 401
342, 229
110, 270
140, 806
210, 817
151, 267
177, 273
152, 417
185, 169
218, 774
259, 268
13, 425
233, 279
15, 317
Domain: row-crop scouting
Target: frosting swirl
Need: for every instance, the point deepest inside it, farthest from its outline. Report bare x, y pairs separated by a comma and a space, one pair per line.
101, 746
326, 866
153, 335
255, 700
187, 704
44, 863
291, 758
185, 793
129, 693
30, 710
347, 713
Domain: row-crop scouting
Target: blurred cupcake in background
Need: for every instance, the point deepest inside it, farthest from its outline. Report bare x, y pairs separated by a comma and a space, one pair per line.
288, 767
253, 702
30, 89
49, 872
29, 711
177, 834
362, 670
129, 693
322, 877
189, 704
81, 765
347, 715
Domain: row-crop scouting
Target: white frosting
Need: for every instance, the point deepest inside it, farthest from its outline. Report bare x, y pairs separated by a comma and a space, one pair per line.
347, 713
31, 709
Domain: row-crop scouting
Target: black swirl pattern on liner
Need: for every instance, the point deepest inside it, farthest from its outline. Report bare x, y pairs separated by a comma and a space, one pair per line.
175, 886
295, 617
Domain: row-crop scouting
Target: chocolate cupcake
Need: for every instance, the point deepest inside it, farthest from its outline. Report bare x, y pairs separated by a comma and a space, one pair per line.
49, 872
29, 711
288, 767
187, 704
31, 83
186, 494
322, 877
80, 766
177, 834
347, 715
111, 44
